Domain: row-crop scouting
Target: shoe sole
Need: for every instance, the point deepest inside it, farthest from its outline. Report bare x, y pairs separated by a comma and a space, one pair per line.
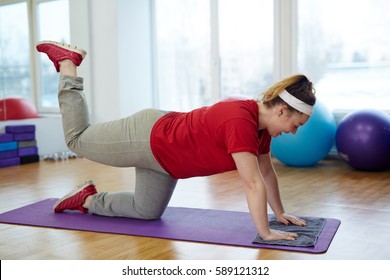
68, 47
72, 193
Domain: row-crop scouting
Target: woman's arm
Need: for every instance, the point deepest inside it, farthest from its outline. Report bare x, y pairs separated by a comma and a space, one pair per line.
273, 195
256, 195
271, 182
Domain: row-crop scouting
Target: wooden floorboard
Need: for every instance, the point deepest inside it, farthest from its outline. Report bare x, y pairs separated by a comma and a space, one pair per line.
361, 200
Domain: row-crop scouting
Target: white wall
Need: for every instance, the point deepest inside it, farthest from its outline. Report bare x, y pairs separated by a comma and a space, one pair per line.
135, 56
105, 97
80, 30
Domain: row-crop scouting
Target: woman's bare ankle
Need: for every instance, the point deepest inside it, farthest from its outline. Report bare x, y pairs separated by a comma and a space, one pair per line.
67, 68
87, 202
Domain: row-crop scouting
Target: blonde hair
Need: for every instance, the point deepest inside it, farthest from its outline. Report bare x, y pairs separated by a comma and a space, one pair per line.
297, 85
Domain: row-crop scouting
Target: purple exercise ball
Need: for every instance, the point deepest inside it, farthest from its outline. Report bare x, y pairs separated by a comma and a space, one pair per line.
363, 140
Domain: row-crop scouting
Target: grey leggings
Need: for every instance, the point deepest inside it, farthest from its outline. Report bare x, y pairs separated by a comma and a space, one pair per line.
122, 143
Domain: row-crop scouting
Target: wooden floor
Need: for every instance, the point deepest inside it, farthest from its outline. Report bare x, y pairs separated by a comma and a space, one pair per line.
361, 200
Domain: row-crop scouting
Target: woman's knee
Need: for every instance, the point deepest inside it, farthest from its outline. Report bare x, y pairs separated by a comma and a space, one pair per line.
72, 143
154, 214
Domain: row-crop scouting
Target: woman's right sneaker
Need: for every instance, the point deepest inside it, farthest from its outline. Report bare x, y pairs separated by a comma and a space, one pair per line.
59, 51
75, 199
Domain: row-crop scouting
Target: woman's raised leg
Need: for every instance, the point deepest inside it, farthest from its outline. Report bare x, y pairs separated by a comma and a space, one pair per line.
124, 143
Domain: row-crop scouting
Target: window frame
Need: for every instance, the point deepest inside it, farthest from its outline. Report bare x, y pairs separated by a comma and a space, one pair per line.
215, 58
285, 44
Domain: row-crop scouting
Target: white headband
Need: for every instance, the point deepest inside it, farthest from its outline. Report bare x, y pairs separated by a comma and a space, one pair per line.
296, 103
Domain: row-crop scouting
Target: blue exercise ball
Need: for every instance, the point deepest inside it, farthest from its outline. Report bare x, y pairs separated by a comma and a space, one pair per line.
312, 142
363, 140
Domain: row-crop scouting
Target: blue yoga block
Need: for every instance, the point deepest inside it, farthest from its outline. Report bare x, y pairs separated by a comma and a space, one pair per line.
6, 137
9, 154
28, 151
9, 162
7, 146
15, 129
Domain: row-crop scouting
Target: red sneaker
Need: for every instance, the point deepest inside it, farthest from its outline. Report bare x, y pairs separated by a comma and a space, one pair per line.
60, 51
75, 199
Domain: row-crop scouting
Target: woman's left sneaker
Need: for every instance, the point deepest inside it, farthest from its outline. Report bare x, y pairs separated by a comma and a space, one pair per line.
59, 51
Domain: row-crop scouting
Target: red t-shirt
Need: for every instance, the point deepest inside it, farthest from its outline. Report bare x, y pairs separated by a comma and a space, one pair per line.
200, 142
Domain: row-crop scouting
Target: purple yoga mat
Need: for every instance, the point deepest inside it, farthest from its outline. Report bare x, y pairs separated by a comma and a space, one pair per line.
6, 137
24, 136
28, 151
9, 154
23, 128
177, 223
5, 162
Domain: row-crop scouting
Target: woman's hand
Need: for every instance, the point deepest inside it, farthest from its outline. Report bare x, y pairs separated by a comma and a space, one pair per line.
287, 219
280, 235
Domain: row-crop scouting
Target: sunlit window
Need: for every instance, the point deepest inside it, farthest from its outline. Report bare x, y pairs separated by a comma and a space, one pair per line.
246, 46
185, 54
15, 79
344, 46
19, 76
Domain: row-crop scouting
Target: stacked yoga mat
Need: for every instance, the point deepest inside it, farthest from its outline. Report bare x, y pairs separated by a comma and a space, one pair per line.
18, 145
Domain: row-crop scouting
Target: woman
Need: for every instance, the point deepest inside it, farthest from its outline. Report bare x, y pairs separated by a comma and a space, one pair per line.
167, 146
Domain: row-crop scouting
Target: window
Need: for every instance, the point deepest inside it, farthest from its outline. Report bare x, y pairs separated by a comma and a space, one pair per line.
183, 53
246, 46
345, 53
15, 79
201, 43
343, 46
21, 75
